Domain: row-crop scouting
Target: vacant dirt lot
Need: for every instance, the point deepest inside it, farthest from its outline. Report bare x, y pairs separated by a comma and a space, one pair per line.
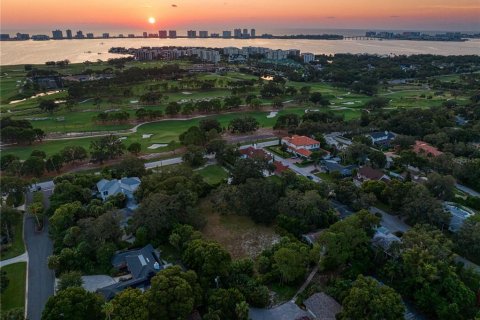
238, 234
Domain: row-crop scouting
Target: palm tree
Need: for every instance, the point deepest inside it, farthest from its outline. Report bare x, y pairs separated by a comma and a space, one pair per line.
108, 309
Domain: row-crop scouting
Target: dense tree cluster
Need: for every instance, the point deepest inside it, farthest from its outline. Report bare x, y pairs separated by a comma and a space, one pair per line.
19, 131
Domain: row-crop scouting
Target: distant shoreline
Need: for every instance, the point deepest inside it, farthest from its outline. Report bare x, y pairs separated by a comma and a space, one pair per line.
285, 37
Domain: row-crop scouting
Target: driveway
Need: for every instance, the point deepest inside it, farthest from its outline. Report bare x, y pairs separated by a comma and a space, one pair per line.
287, 311
301, 171
389, 221
41, 280
471, 192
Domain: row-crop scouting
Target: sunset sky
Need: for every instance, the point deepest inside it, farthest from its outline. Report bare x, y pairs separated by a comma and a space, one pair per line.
216, 15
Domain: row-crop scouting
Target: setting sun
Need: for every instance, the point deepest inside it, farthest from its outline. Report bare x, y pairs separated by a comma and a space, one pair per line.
151, 20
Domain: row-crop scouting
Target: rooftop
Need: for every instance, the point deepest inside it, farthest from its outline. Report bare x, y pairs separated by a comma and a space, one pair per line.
141, 262
425, 148
323, 306
255, 153
301, 141
370, 173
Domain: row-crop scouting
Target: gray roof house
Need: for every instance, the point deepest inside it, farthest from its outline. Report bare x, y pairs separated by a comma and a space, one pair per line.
127, 186
322, 306
330, 166
381, 138
142, 264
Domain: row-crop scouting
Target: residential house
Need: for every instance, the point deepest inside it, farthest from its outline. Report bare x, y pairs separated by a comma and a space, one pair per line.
322, 306
254, 153
330, 166
458, 215
383, 240
279, 167
367, 173
141, 264
301, 146
381, 138
127, 186
423, 148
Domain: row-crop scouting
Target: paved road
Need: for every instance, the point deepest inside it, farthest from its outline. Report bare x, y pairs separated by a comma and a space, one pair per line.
21, 258
40, 282
393, 223
389, 221
161, 163
471, 192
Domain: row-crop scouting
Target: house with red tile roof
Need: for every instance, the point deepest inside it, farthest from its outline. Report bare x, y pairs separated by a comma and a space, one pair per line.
279, 167
423, 148
302, 146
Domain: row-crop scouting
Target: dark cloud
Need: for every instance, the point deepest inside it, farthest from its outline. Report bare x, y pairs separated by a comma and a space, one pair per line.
394, 17
174, 5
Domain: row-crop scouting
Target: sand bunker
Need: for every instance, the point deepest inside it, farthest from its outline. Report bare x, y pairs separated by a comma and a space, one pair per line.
157, 145
272, 114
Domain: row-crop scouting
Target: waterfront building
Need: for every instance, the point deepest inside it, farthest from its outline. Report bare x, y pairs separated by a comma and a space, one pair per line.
253, 33
308, 57
131, 35
90, 35
4, 36
237, 33
145, 34
69, 34
162, 34
203, 34
227, 34
57, 34
23, 36
106, 35
214, 35
80, 35
40, 37
172, 34
191, 33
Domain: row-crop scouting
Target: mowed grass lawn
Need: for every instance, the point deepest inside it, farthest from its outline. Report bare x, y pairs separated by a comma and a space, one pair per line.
213, 174
14, 296
238, 234
17, 247
164, 131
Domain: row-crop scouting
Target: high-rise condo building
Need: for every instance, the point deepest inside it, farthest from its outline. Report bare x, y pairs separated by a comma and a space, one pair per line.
227, 34
90, 35
162, 33
57, 34
23, 36
253, 33
69, 34
203, 34
191, 33
80, 35
237, 33
172, 33
106, 35
145, 34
